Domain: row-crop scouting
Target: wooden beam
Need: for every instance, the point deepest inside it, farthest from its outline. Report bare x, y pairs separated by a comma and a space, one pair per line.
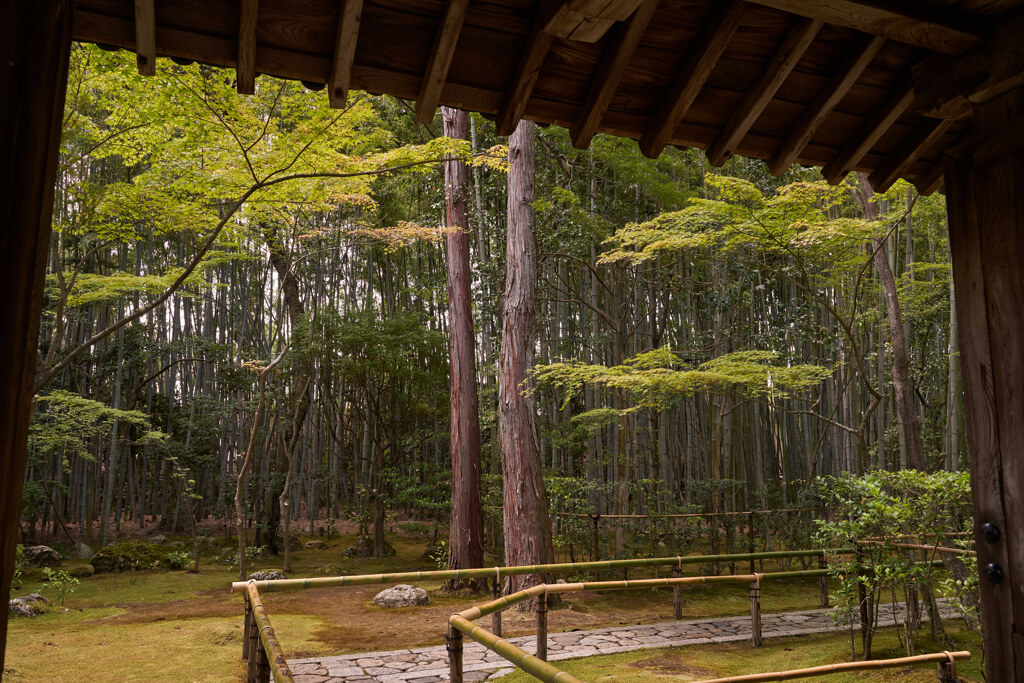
930, 26
538, 42
946, 87
897, 163
870, 132
35, 44
349, 16
757, 98
931, 180
588, 20
715, 36
145, 36
246, 68
610, 73
986, 236
440, 60
830, 95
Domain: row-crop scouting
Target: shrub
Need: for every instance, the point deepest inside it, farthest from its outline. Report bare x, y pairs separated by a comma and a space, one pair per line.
60, 582
177, 560
130, 555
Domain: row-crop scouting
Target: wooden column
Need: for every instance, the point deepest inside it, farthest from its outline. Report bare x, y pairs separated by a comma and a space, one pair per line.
35, 41
496, 616
755, 613
677, 594
985, 204
453, 643
542, 627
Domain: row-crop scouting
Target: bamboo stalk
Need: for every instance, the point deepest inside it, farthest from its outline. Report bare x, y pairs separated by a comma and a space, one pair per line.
274, 655
918, 546
844, 666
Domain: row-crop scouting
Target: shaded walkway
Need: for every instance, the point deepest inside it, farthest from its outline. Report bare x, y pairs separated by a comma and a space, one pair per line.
430, 664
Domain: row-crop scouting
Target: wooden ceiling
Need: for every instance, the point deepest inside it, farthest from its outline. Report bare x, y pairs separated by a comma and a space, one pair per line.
874, 85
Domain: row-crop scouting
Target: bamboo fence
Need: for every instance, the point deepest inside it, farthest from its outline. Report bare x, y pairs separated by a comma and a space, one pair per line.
263, 654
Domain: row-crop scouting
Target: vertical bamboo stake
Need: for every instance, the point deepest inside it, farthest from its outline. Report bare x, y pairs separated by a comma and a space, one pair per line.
750, 538
453, 643
542, 626
496, 593
755, 612
823, 581
677, 593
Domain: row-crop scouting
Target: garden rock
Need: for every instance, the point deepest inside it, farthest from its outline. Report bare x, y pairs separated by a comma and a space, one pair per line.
316, 544
158, 539
402, 595
42, 556
27, 605
266, 575
82, 571
81, 551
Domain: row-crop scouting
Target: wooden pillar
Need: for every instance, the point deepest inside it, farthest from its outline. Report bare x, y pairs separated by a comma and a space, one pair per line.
751, 544
823, 582
35, 41
247, 627
755, 613
496, 616
985, 205
453, 643
677, 594
542, 627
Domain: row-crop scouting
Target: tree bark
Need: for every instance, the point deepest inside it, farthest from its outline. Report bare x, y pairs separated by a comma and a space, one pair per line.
466, 530
909, 420
527, 529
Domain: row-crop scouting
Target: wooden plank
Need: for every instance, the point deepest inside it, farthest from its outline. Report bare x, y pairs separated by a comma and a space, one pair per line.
613, 67
35, 43
349, 16
440, 60
907, 153
932, 27
538, 42
758, 97
246, 66
145, 36
945, 86
588, 20
830, 95
870, 132
690, 79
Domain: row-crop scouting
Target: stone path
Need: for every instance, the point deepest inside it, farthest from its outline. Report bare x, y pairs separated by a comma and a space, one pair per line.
430, 664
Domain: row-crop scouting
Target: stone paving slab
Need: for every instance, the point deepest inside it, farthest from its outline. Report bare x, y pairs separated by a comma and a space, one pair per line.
430, 664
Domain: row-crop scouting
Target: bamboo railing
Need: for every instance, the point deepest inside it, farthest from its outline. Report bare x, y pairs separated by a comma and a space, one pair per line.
946, 671
263, 654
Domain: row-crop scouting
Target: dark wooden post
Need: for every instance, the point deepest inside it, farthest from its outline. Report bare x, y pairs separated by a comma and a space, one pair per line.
823, 581
985, 206
677, 593
453, 643
252, 667
751, 545
246, 628
496, 616
542, 626
755, 613
865, 608
35, 42
595, 553
262, 663
947, 672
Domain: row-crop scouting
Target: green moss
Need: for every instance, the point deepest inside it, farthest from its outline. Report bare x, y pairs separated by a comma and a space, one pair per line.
128, 555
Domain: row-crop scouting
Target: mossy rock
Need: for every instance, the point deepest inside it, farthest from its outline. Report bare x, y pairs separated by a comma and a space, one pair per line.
130, 555
364, 548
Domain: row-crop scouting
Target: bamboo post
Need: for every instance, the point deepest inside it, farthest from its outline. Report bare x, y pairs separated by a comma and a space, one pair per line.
755, 612
677, 594
495, 594
750, 538
453, 643
823, 581
542, 626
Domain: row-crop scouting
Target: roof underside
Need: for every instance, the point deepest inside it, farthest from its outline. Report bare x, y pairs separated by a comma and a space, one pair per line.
833, 86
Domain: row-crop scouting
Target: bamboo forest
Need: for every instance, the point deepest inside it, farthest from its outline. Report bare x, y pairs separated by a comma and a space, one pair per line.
282, 341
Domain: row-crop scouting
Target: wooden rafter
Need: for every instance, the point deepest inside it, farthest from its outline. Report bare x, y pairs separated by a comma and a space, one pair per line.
757, 98
588, 20
930, 180
870, 132
609, 74
926, 135
691, 78
933, 27
145, 36
538, 42
345, 40
246, 68
830, 95
440, 60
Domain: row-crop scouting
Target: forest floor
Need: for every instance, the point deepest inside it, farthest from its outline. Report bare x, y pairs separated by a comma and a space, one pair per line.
187, 626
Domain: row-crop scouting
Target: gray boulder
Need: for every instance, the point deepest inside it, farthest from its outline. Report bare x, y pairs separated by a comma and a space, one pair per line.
402, 595
81, 551
42, 556
159, 539
27, 605
266, 575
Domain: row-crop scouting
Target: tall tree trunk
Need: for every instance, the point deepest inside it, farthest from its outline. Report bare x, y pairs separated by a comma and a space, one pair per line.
527, 529
909, 420
466, 531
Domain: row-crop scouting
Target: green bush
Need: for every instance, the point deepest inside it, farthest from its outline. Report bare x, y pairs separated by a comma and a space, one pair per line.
60, 582
177, 560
